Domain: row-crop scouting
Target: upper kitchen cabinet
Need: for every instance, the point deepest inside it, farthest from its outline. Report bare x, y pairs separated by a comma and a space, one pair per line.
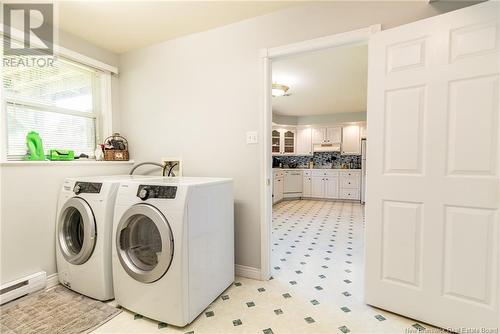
363, 131
318, 135
351, 140
276, 142
289, 139
304, 141
332, 135
283, 141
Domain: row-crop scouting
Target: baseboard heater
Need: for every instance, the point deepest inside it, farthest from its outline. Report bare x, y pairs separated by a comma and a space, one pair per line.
22, 287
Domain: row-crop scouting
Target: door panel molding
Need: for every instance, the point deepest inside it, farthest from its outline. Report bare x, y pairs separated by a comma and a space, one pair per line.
403, 130
406, 55
402, 243
481, 95
473, 40
470, 259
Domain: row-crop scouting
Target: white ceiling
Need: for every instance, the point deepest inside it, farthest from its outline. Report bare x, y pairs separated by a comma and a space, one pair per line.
121, 26
322, 82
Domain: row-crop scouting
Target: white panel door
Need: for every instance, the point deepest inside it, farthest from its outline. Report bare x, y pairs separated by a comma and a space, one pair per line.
304, 141
317, 187
432, 227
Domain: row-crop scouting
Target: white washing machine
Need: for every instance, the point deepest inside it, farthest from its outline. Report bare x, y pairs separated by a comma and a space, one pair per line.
83, 233
173, 246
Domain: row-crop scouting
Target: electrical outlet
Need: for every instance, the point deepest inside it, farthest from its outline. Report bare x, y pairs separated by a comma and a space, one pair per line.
252, 137
175, 163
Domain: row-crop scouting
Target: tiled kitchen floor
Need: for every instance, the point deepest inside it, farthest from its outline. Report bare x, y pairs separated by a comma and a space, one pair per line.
317, 285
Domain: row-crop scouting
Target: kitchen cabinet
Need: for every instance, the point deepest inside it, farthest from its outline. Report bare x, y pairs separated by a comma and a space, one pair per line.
276, 142
318, 135
334, 135
330, 135
289, 138
316, 183
351, 140
304, 141
325, 184
363, 131
318, 186
283, 141
332, 187
306, 184
278, 186
350, 183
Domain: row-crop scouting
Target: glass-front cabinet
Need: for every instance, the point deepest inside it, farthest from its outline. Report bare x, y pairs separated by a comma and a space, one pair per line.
289, 142
283, 141
276, 142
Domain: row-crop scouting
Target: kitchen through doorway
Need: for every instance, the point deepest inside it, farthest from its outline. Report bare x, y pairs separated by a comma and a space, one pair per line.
318, 149
314, 122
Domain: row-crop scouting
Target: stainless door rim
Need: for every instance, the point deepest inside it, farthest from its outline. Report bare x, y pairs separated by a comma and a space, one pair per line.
167, 243
89, 231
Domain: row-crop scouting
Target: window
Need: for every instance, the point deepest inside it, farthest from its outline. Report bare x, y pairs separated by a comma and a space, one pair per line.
60, 102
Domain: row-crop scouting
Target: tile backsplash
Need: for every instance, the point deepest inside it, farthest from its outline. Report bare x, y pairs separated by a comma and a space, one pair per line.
320, 159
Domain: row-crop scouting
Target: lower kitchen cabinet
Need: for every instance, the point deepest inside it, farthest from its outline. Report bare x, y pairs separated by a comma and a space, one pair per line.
324, 184
325, 187
332, 187
318, 187
350, 183
278, 190
278, 186
306, 185
320, 183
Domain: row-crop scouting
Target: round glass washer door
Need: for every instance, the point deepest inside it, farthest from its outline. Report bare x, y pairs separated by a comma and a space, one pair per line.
76, 231
144, 243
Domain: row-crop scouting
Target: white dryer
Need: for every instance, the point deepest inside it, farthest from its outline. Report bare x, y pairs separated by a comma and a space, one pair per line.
173, 246
83, 234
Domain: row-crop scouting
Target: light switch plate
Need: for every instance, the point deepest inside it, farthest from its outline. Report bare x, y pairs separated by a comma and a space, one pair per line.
252, 137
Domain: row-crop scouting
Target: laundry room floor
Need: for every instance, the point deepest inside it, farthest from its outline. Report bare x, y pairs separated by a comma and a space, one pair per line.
317, 284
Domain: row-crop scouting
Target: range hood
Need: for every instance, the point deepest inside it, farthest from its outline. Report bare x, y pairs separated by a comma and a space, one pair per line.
326, 147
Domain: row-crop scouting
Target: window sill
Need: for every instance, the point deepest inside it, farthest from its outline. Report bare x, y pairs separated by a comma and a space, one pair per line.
65, 163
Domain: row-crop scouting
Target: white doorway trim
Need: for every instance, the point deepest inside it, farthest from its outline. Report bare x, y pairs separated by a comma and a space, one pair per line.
355, 37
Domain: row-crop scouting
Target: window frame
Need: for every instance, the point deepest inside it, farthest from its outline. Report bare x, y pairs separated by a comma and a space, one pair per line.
102, 111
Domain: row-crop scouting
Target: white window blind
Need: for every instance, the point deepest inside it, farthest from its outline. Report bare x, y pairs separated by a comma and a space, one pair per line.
59, 102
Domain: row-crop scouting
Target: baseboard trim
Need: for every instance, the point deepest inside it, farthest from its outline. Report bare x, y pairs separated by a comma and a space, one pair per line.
248, 272
52, 281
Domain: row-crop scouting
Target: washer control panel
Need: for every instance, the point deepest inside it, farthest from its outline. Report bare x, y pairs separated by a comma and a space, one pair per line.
87, 188
151, 191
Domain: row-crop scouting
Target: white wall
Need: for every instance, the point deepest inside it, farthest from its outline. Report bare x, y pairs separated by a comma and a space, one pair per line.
196, 96
28, 214
28, 195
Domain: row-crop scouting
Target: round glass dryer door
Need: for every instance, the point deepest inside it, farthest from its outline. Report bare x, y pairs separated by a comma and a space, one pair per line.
144, 243
76, 231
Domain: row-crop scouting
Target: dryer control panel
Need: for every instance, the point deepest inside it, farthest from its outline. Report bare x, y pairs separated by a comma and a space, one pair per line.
146, 191
87, 188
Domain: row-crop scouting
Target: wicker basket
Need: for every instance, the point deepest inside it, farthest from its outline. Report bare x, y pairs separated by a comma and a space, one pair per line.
116, 154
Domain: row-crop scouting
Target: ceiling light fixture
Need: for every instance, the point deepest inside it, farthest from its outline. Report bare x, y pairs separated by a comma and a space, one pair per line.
280, 90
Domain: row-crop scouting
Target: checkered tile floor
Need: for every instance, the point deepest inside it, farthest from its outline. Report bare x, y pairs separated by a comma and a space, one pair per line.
317, 284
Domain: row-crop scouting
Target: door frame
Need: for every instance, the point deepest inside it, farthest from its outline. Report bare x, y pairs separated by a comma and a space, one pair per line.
355, 37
